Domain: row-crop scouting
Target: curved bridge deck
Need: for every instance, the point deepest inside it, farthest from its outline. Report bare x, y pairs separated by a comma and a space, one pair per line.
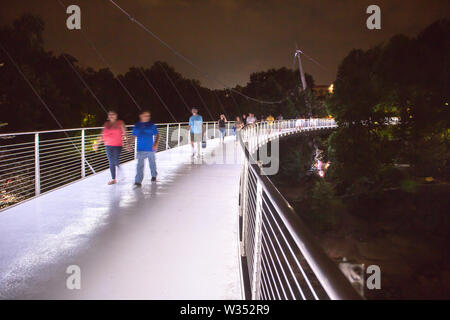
173, 239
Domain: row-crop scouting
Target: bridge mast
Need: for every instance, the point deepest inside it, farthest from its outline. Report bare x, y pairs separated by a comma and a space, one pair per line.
298, 52
300, 67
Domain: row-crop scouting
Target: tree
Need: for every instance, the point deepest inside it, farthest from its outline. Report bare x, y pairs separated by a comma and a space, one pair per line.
405, 78
54, 79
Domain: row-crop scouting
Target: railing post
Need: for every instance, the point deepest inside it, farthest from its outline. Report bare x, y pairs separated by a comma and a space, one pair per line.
179, 134
37, 167
206, 130
83, 154
266, 125
254, 136
244, 204
135, 148
167, 137
214, 130
256, 277
228, 128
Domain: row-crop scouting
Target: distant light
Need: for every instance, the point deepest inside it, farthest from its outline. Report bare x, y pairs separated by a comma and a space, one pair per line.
94, 142
331, 88
2, 64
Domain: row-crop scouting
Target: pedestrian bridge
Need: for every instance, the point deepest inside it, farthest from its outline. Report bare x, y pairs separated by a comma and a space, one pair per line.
211, 227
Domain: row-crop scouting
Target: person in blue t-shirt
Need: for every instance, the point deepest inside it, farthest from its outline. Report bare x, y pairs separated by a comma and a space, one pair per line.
147, 136
196, 130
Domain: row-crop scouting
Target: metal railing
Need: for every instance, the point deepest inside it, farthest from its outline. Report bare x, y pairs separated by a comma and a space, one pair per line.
283, 260
32, 163
280, 258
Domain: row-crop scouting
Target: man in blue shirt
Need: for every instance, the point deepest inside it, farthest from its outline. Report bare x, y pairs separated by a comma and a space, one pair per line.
196, 129
147, 136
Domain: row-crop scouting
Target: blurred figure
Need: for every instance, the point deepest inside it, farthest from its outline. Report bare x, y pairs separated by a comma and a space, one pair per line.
281, 125
147, 136
113, 134
238, 125
222, 127
244, 119
270, 119
251, 118
196, 130
298, 123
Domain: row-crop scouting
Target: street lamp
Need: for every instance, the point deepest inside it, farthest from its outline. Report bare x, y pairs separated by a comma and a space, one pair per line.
331, 88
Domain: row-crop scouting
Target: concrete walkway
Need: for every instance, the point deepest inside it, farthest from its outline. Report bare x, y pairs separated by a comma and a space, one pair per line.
173, 239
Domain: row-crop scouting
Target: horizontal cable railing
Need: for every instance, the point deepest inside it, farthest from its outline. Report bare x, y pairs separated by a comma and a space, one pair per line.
281, 257
32, 163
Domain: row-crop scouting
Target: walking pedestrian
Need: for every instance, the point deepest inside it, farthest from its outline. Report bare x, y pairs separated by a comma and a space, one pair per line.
147, 136
113, 136
222, 127
196, 130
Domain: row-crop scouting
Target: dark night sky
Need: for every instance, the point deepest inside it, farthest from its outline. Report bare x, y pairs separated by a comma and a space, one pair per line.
227, 38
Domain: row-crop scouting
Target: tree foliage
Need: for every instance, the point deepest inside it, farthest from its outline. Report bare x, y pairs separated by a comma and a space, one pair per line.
407, 78
73, 105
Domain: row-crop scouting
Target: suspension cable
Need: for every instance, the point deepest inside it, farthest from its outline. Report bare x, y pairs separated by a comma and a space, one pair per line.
235, 103
150, 84
42, 100
220, 103
187, 60
157, 94
314, 61
80, 77
84, 82
201, 99
116, 77
174, 86
107, 64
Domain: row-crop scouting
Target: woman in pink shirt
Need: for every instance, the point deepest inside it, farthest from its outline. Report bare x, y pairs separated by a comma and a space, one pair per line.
113, 134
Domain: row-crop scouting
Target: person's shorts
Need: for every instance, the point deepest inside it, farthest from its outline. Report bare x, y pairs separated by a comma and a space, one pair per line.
196, 137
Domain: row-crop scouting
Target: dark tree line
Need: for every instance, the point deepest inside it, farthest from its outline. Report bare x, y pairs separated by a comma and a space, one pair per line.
384, 198
74, 106
407, 78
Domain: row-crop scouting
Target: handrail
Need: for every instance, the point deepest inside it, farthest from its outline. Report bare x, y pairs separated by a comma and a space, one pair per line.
262, 204
30, 161
87, 128
284, 261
